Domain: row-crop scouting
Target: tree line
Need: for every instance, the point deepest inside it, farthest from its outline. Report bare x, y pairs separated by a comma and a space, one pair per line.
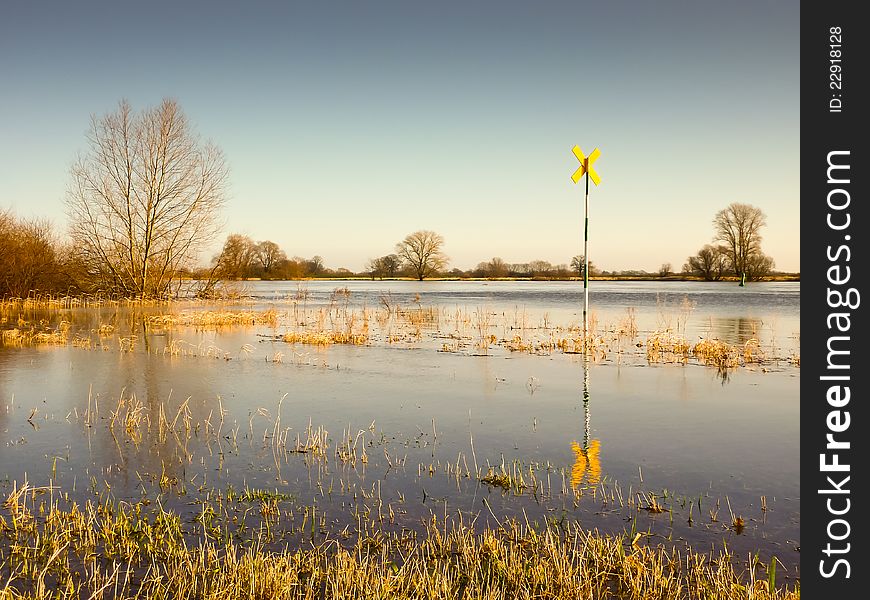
145, 197
420, 255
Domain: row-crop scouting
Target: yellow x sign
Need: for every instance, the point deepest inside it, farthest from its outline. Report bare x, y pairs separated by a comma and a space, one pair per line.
586, 165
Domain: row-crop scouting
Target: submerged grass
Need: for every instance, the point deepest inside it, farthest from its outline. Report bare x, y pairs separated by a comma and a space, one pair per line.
325, 338
476, 332
52, 548
215, 319
667, 347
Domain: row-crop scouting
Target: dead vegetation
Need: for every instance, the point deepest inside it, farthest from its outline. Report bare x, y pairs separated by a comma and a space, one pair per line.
137, 550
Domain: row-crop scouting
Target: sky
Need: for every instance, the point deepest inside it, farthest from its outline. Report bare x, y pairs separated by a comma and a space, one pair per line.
348, 125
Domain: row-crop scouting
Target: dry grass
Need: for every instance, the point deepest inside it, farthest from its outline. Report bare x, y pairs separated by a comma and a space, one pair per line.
120, 550
215, 319
325, 338
664, 346
36, 335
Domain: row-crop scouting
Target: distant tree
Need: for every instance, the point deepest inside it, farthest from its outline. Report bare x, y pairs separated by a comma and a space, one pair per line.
391, 264
497, 267
144, 199
738, 228
236, 258
540, 267
494, 268
666, 269
383, 266
562, 271
422, 252
315, 266
374, 268
269, 254
711, 262
520, 270
577, 264
288, 268
759, 266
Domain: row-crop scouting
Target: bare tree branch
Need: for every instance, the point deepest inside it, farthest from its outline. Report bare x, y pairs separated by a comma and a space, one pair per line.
144, 198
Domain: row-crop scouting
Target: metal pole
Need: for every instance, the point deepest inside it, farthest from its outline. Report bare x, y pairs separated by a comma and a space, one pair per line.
586, 402
586, 265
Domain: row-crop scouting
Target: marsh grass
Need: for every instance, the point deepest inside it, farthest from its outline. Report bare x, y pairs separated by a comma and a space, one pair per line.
508, 480
54, 548
668, 347
210, 320
36, 334
325, 338
478, 331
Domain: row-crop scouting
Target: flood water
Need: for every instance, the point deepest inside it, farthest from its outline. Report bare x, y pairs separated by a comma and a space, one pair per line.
428, 403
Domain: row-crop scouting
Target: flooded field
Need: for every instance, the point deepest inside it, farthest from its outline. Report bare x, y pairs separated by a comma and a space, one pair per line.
341, 406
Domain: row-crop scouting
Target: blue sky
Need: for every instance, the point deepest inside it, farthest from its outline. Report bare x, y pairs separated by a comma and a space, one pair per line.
347, 125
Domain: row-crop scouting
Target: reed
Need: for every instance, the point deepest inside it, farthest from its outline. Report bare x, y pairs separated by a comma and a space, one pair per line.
208, 319
131, 550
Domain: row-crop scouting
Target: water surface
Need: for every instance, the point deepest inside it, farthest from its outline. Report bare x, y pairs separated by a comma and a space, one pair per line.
594, 438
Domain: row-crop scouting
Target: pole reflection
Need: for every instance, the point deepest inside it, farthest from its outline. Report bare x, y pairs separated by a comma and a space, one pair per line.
587, 457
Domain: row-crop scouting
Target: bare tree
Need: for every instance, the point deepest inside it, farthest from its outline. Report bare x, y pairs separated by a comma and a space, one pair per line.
521, 269
269, 254
540, 267
666, 269
578, 263
422, 251
315, 265
738, 227
759, 266
496, 267
236, 258
289, 268
29, 258
144, 198
375, 267
384, 266
391, 264
710, 262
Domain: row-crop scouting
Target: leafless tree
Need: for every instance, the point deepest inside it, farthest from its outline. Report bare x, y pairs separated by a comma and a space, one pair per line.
666, 269
578, 263
315, 265
759, 266
496, 267
375, 268
521, 269
540, 267
738, 227
144, 198
290, 268
391, 264
711, 262
383, 266
29, 258
269, 254
236, 258
422, 251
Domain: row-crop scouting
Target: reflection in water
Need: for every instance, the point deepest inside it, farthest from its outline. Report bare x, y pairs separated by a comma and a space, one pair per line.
587, 462
734, 330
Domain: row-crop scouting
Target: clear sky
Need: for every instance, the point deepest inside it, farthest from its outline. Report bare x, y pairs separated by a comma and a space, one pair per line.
347, 125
